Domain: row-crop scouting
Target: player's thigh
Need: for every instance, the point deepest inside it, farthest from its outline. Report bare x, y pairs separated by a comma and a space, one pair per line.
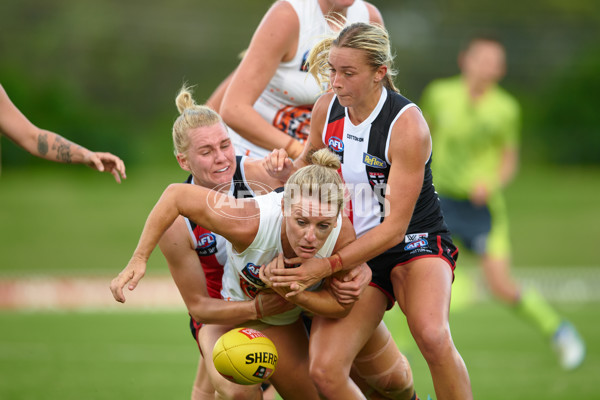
291, 378
335, 342
422, 289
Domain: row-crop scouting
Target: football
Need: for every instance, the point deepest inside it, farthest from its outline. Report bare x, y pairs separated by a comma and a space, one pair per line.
245, 356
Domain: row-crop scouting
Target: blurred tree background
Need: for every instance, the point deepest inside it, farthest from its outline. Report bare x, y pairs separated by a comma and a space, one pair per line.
105, 73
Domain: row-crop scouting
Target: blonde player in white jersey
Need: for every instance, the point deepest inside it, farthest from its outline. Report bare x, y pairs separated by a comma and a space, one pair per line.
270, 96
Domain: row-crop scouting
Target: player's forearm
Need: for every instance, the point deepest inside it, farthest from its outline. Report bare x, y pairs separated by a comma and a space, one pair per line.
54, 147
161, 217
321, 303
509, 166
217, 311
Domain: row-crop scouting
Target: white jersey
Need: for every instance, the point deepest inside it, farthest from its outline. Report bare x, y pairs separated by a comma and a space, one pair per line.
241, 281
288, 99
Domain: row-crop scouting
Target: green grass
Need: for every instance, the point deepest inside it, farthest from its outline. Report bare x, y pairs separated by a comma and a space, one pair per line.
96, 356
70, 220
129, 355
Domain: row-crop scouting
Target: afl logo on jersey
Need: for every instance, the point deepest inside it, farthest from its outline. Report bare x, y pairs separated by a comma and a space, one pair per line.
207, 244
336, 144
251, 273
373, 161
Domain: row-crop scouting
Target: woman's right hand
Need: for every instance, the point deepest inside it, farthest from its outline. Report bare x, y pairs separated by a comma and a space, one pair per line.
132, 273
278, 165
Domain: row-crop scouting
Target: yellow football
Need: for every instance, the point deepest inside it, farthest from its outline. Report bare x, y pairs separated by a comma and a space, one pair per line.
245, 356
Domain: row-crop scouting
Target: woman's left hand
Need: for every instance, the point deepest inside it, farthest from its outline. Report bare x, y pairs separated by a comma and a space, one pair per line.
308, 273
350, 286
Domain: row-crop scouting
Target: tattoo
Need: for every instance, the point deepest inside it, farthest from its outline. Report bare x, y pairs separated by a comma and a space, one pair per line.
63, 149
42, 145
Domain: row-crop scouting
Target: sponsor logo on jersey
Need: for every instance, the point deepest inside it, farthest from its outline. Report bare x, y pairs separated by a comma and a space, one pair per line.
373, 161
207, 244
250, 272
355, 138
416, 244
411, 237
336, 144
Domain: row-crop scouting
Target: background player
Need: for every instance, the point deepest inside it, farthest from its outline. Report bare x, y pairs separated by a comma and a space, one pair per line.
475, 127
269, 98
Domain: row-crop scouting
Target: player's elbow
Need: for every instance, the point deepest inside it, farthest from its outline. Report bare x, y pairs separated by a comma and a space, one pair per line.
173, 192
230, 114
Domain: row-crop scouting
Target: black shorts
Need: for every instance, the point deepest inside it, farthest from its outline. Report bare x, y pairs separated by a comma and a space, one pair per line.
470, 224
415, 246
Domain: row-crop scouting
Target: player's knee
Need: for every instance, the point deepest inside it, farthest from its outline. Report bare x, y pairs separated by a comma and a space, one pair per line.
434, 342
201, 393
326, 379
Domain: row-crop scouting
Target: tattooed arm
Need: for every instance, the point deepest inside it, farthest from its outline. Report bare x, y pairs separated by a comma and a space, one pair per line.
49, 145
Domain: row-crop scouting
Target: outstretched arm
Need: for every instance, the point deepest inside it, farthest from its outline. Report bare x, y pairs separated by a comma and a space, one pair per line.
235, 219
51, 146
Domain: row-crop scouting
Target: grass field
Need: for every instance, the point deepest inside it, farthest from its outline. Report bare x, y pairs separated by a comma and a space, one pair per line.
142, 355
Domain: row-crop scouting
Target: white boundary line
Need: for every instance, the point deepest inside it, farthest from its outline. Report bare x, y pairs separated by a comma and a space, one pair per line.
561, 285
